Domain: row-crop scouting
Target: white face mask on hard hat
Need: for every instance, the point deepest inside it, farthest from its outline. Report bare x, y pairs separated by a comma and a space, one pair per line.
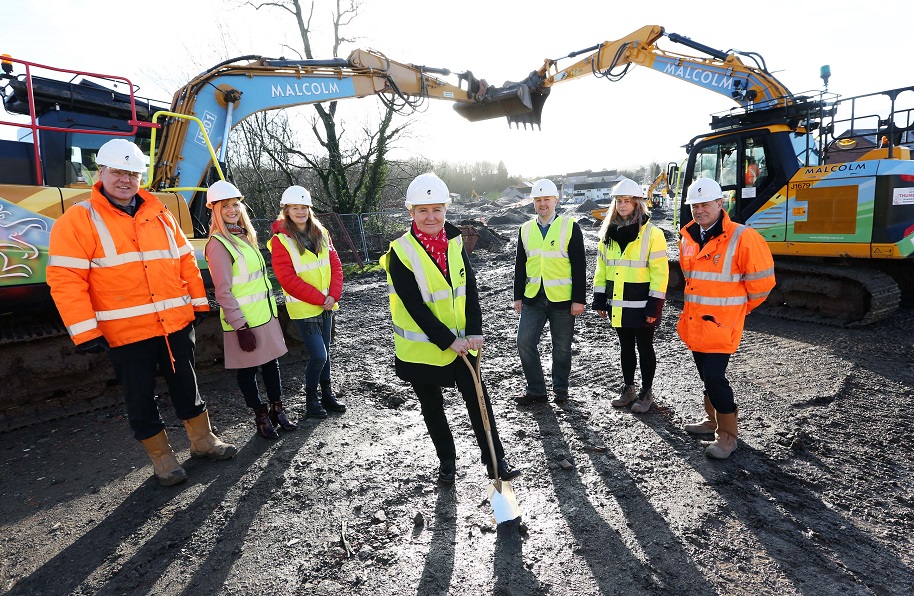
296, 195
122, 155
544, 188
627, 188
704, 190
220, 191
427, 189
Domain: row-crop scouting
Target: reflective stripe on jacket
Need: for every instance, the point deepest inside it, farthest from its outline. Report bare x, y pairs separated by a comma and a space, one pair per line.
447, 301
250, 285
548, 264
127, 278
726, 279
311, 269
628, 278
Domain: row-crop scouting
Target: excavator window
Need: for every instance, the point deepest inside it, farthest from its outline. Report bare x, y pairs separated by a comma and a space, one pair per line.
720, 162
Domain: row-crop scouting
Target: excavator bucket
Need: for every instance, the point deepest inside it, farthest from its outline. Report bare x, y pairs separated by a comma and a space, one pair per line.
534, 116
498, 101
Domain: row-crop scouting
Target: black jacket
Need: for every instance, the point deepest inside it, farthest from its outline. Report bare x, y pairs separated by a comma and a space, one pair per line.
404, 283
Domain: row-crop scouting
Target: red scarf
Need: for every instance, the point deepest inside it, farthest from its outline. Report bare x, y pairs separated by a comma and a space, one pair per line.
435, 245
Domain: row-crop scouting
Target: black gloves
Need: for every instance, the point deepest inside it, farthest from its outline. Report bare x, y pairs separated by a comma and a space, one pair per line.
98, 345
199, 316
246, 339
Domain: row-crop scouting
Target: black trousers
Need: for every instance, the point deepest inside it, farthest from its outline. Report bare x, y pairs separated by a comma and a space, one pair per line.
712, 368
432, 402
247, 382
136, 366
643, 337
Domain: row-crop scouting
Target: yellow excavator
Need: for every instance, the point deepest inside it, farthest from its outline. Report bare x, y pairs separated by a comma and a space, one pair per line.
828, 181
72, 113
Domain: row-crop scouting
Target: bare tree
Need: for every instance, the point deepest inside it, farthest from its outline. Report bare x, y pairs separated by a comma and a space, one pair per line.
351, 174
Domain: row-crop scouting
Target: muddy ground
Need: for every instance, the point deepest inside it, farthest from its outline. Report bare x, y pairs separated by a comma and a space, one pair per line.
817, 500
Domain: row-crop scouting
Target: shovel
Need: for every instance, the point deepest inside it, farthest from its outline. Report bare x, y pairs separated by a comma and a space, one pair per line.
501, 495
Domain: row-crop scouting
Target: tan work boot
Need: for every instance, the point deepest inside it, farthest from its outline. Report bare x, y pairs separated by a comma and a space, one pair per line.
706, 426
725, 439
203, 443
645, 401
628, 395
165, 465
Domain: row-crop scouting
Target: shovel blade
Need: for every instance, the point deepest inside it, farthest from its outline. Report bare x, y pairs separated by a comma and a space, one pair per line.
504, 502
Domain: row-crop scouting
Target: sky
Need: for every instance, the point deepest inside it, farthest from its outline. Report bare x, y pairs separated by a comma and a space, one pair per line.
588, 123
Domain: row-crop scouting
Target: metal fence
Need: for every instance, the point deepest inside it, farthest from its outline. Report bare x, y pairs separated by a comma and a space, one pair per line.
359, 238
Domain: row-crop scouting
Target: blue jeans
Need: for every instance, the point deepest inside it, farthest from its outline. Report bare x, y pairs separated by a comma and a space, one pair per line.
533, 317
315, 334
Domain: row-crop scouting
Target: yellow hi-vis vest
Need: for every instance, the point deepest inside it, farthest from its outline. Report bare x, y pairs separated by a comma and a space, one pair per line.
250, 285
447, 302
312, 269
547, 259
632, 276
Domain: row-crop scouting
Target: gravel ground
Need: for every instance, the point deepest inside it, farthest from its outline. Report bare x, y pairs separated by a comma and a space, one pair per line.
817, 499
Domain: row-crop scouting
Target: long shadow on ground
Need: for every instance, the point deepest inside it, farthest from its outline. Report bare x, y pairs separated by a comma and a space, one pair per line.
68, 569
816, 548
613, 565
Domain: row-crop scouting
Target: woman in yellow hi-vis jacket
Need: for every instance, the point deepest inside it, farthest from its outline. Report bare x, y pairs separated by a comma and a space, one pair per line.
629, 287
436, 316
311, 275
253, 336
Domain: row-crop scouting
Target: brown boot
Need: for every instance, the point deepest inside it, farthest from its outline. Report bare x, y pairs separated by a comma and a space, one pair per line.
265, 426
725, 439
706, 426
164, 463
278, 417
203, 443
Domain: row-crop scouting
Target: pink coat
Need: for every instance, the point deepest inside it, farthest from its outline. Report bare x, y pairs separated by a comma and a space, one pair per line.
270, 341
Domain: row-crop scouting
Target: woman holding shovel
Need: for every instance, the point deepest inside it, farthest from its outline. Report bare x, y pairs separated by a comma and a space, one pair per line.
437, 319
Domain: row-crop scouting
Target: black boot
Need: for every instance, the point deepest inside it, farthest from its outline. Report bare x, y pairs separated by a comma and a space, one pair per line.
328, 399
265, 427
315, 409
505, 471
278, 417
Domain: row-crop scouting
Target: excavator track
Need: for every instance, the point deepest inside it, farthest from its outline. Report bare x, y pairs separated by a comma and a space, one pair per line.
831, 294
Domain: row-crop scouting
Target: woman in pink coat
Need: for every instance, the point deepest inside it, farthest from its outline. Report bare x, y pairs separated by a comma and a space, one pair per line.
253, 336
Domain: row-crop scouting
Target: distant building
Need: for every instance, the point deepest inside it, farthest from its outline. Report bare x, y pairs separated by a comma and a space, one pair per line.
517, 192
581, 186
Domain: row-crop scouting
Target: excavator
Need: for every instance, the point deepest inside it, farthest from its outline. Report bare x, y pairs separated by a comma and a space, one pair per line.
70, 114
828, 181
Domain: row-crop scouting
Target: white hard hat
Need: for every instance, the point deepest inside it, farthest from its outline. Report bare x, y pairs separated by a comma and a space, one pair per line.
220, 191
627, 188
704, 190
121, 154
296, 195
427, 189
544, 188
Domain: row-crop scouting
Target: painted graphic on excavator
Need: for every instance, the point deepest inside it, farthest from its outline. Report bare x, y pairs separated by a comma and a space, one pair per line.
52, 166
827, 181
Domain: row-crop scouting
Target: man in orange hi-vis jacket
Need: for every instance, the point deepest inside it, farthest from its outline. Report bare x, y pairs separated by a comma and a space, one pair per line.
728, 271
126, 282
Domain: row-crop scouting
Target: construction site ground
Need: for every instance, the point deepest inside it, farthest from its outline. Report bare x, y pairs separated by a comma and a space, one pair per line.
818, 499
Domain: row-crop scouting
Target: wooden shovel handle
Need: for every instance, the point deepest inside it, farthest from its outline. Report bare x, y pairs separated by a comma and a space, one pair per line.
484, 411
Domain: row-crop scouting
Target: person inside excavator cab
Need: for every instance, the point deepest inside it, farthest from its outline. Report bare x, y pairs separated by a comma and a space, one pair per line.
753, 174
